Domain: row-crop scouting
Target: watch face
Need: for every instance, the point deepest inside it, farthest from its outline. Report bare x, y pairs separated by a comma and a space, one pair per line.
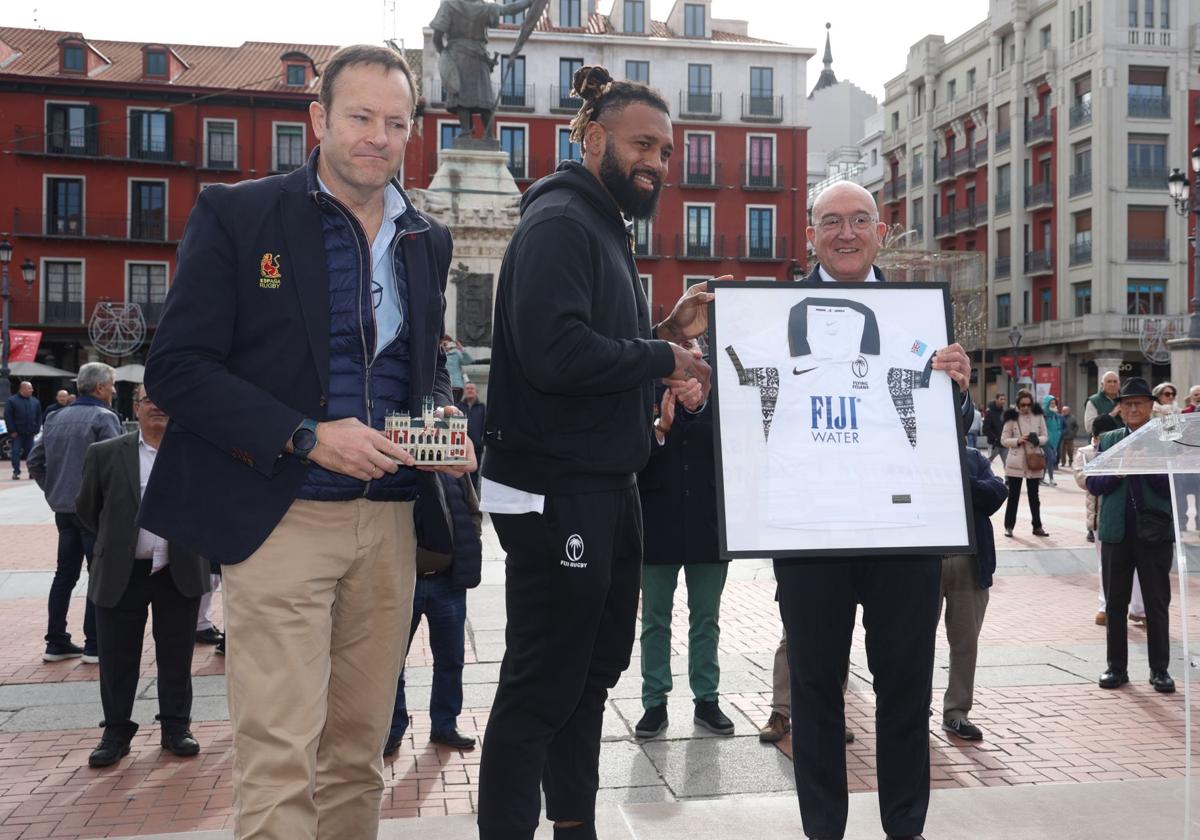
304, 440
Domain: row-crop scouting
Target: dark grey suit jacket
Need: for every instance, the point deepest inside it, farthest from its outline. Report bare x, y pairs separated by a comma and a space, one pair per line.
108, 504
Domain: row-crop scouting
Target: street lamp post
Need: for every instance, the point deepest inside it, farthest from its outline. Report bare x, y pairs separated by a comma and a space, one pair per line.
1014, 338
1182, 192
27, 274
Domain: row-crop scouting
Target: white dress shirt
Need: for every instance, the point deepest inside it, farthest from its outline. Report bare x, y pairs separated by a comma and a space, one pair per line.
149, 546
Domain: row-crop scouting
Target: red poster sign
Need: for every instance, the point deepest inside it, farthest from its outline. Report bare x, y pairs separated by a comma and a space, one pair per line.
24, 345
1049, 381
1025, 362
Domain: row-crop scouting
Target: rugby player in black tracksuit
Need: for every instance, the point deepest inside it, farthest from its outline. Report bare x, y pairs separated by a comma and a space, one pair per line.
574, 361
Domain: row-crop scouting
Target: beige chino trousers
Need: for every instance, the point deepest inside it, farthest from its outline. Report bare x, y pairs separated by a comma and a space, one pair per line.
317, 623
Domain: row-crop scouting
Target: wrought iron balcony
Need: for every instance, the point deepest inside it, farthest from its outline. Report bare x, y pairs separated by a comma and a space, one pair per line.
90, 143
701, 177
1038, 129
1004, 266
1039, 262
765, 109
1081, 183
1150, 107
561, 100
518, 97
144, 227
700, 106
1081, 114
943, 226
757, 176
1149, 250
762, 249
1147, 177
1040, 195
962, 219
943, 170
699, 248
1003, 203
62, 312
1003, 139
1081, 253
650, 249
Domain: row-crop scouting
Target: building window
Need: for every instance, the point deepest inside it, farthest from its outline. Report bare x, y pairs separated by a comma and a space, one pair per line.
1133, 14
150, 135
63, 299
762, 91
971, 79
71, 130
1045, 38
512, 142
1003, 310
1149, 14
568, 13
566, 149
1083, 299
447, 131
693, 20
699, 230
156, 63
1081, 247
567, 68
698, 168
1089, 17
220, 144
1071, 31
73, 59
1046, 308
64, 206
148, 210
647, 281
512, 81
635, 16
641, 239
148, 289
1147, 234
1146, 297
762, 162
638, 71
1147, 161
297, 75
517, 18
700, 99
289, 147
951, 90
1148, 97
1166, 14
761, 232
895, 121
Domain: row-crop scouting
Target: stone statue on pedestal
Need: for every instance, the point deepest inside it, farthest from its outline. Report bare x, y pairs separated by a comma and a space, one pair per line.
460, 37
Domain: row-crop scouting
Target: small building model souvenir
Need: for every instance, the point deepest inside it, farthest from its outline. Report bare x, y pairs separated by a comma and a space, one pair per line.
430, 439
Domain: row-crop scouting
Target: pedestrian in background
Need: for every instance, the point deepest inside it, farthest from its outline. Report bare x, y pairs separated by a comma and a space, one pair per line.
56, 464
23, 417
993, 425
61, 400
679, 533
1137, 610
1193, 400
449, 562
1023, 435
1070, 431
135, 571
476, 413
976, 426
1053, 436
1137, 535
456, 357
1164, 394
966, 586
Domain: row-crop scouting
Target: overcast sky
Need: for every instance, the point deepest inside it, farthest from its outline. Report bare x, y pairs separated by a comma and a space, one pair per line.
870, 37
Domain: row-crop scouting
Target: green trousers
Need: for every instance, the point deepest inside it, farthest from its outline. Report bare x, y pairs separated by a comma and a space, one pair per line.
705, 583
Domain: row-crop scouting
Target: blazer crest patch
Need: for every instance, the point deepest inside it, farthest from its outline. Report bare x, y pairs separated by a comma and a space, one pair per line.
269, 275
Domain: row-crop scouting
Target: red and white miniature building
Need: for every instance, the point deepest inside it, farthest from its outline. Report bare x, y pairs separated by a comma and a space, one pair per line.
430, 439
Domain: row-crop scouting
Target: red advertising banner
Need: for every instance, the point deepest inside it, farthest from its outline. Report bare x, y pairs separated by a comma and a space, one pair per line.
24, 345
1048, 380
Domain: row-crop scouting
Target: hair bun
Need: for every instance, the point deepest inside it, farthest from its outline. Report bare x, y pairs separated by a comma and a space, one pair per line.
590, 83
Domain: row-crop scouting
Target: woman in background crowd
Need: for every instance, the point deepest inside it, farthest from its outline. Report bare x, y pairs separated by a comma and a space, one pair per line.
1054, 430
1023, 435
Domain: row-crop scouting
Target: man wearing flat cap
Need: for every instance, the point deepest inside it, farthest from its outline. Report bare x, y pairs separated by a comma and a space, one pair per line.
1136, 533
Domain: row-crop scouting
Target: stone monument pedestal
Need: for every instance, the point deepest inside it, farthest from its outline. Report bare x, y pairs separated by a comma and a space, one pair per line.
1185, 363
473, 194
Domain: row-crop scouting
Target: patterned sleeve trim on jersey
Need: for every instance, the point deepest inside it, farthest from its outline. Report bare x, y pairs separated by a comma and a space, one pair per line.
766, 379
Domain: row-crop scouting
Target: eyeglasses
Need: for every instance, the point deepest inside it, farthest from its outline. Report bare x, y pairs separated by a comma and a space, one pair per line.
1168, 393
858, 222
1024, 405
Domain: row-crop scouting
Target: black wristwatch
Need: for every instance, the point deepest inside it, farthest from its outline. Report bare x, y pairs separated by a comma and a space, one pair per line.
304, 439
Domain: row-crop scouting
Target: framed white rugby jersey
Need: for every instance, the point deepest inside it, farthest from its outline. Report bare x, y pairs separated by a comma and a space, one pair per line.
834, 433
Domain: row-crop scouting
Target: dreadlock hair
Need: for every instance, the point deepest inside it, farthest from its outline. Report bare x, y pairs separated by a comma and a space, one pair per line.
601, 94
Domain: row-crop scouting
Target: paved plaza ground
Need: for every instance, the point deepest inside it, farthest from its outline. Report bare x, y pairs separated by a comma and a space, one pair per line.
1061, 758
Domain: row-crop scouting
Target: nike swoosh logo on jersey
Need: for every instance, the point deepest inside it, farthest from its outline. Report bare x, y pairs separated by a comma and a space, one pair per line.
798, 372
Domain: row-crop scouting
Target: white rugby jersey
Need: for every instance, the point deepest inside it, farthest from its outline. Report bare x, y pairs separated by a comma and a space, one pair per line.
836, 391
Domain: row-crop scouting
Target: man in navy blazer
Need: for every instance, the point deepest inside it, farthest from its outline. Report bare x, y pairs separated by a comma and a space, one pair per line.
305, 308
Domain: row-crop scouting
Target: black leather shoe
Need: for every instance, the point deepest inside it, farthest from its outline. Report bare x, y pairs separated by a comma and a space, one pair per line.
180, 743
452, 738
1162, 682
392, 745
1113, 679
209, 636
905, 837
110, 751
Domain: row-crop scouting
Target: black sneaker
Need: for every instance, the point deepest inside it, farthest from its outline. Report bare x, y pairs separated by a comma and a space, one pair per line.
964, 729
221, 646
58, 651
1091, 536
91, 655
652, 723
710, 716
209, 636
